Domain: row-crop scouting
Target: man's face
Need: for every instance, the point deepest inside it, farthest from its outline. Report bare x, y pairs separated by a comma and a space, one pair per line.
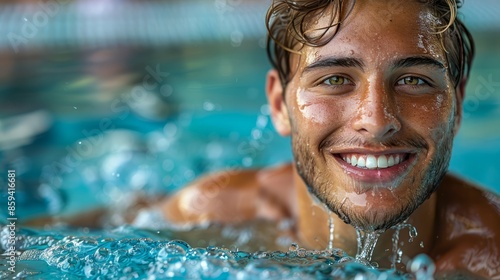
372, 114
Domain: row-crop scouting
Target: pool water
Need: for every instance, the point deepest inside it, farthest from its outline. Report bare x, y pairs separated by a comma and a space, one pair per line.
130, 253
82, 130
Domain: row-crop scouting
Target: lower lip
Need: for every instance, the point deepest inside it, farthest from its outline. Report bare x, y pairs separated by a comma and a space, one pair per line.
382, 175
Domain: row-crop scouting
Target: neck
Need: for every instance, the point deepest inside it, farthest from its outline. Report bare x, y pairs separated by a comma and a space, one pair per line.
314, 222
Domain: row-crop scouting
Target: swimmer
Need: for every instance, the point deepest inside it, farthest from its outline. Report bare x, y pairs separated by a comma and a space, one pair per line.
371, 94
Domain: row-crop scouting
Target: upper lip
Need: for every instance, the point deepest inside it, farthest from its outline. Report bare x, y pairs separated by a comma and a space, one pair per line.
371, 151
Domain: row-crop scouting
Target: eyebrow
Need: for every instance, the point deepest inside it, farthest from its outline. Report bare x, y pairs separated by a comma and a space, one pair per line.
419, 61
355, 62
335, 62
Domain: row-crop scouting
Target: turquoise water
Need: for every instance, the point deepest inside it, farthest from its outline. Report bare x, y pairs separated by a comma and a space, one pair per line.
81, 132
131, 253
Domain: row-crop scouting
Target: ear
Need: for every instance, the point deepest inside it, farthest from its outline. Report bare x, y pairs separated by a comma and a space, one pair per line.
275, 98
459, 95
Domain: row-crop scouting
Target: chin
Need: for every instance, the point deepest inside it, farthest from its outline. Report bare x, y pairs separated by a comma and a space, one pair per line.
375, 217
372, 210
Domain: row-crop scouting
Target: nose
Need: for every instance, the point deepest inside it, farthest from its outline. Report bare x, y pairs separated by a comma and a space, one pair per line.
375, 117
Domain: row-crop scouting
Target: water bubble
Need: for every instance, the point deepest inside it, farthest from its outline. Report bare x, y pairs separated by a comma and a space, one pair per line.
208, 106
138, 251
256, 133
214, 150
121, 256
247, 161
90, 271
170, 129
241, 255
265, 110
262, 121
293, 247
236, 38
189, 174
102, 254
422, 266
168, 165
301, 252
70, 264
261, 255
196, 254
174, 251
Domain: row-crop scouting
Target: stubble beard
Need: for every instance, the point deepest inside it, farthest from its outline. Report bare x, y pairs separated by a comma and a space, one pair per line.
424, 184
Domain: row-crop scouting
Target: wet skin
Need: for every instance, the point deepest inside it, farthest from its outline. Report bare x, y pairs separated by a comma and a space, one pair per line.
365, 96
382, 97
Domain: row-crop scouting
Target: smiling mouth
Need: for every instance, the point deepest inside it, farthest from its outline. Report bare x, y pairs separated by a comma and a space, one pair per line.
367, 161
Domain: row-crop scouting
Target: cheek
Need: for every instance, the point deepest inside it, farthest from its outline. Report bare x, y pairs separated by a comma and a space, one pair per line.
432, 117
318, 110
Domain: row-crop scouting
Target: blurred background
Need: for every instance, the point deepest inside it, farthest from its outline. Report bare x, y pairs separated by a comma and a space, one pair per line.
103, 99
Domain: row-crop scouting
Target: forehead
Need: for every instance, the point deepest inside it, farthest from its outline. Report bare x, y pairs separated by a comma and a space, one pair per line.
380, 29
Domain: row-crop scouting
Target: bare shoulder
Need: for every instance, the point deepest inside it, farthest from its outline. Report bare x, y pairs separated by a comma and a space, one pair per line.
468, 204
229, 196
467, 228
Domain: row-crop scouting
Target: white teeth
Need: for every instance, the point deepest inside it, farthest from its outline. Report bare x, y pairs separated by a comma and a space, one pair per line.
372, 161
354, 161
390, 161
382, 161
361, 162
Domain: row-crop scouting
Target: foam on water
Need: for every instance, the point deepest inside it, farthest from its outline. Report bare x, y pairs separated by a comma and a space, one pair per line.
129, 253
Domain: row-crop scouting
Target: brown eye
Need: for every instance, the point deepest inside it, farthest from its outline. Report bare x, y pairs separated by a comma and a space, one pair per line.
411, 81
336, 81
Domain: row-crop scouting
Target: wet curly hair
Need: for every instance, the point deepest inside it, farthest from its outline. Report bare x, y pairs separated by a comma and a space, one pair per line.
288, 22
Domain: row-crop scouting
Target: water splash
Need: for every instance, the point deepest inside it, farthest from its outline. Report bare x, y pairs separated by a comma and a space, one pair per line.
331, 227
367, 240
396, 250
128, 253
